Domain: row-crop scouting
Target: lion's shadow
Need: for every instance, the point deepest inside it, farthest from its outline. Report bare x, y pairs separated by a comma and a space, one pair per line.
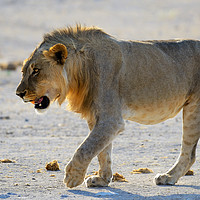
115, 193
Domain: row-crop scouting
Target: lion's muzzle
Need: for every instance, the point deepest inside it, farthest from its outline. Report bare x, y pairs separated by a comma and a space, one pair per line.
21, 94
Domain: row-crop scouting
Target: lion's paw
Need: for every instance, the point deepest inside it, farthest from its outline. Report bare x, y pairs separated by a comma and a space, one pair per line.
96, 181
74, 176
164, 179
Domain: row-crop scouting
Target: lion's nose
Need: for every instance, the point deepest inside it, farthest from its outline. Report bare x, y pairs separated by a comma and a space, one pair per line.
21, 94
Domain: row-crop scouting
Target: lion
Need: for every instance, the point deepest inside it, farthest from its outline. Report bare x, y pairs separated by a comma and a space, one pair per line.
107, 81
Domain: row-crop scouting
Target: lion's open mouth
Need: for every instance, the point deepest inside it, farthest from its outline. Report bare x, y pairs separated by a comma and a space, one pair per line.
42, 102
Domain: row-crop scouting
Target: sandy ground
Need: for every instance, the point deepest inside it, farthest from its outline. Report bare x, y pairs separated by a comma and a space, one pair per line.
33, 140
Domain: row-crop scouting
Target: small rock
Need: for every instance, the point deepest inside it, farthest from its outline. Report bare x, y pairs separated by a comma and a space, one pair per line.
9, 132
39, 170
4, 117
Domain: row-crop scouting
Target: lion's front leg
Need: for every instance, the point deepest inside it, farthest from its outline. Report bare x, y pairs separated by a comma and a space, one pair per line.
104, 175
74, 174
100, 137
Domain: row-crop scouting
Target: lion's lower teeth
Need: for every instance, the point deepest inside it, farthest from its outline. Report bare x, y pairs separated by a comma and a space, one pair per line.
40, 104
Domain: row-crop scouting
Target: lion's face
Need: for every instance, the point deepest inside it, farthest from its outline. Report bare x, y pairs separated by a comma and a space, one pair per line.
42, 77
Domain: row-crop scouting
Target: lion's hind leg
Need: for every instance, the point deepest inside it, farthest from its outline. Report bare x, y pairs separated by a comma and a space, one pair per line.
104, 175
191, 134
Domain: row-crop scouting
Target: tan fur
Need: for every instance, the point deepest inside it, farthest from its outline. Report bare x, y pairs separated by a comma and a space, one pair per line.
53, 50
106, 81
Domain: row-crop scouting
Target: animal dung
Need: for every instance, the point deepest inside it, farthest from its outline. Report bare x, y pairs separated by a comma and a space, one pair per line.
118, 178
53, 166
7, 161
142, 171
189, 173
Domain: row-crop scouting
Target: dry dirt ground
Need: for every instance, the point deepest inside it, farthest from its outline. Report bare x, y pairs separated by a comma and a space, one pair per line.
33, 140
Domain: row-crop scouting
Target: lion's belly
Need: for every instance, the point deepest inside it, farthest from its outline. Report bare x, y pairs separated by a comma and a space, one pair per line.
152, 114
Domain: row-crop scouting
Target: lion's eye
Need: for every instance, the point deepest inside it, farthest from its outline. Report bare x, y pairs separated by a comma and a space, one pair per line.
35, 71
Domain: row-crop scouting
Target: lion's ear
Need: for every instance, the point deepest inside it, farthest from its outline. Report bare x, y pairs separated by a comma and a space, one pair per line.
57, 53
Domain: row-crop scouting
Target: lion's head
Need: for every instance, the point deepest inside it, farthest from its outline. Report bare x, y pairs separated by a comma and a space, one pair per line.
60, 68
43, 79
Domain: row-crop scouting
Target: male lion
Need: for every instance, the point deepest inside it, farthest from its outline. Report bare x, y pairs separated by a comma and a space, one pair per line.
107, 80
